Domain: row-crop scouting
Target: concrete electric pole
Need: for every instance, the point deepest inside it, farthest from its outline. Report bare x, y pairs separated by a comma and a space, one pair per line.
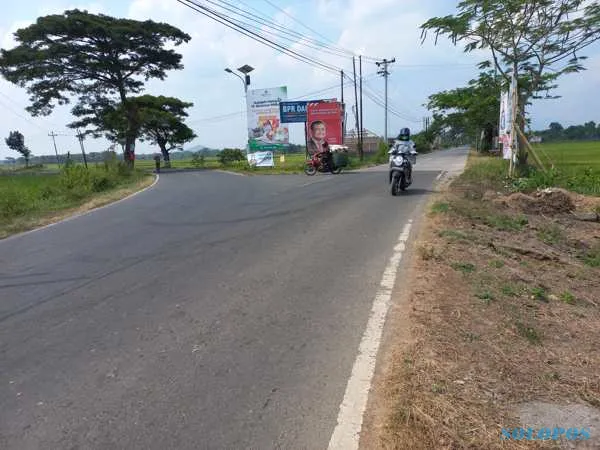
383, 71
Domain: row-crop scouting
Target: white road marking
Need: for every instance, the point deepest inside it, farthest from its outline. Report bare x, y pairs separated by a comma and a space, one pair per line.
346, 435
14, 236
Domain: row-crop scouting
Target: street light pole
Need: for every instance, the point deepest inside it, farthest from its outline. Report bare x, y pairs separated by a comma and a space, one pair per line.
245, 70
240, 77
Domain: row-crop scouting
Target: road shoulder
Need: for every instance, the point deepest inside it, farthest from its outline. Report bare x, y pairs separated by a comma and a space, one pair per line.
495, 328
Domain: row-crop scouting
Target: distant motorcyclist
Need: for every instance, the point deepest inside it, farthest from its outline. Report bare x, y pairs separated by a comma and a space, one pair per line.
404, 145
403, 140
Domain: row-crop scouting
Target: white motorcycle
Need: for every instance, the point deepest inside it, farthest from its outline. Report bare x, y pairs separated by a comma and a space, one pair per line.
402, 158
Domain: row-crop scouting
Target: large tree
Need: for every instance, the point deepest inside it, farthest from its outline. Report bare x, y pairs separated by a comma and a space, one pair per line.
157, 119
162, 123
15, 141
537, 40
470, 110
91, 57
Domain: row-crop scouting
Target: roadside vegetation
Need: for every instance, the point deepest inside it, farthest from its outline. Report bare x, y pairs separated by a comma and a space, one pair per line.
30, 199
503, 313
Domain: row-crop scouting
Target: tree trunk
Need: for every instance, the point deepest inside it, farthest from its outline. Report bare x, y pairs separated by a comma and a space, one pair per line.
166, 155
129, 154
131, 133
521, 165
488, 138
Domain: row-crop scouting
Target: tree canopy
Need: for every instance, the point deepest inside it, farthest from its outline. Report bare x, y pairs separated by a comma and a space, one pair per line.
537, 41
162, 122
556, 132
467, 111
93, 57
16, 141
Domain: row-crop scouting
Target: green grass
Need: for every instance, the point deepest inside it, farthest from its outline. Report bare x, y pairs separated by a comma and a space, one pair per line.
453, 235
567, 297
528, 333
576, 168
571, 155
293, 163
27, 197
485, 295
510, 290
464, 267
440, 207
540, 294
496, 263
551, 233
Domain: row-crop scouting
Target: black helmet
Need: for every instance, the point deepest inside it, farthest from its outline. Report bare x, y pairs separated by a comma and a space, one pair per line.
404, 134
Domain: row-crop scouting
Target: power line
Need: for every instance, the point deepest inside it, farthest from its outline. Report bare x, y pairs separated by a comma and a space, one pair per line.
21, 115
241, 112
208, 12
280, 31
298, 21
379, 102
333, 44
391, 106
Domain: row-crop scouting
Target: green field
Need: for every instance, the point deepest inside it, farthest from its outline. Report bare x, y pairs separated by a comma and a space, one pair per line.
574, 166
571, 155
29, 199
293, 163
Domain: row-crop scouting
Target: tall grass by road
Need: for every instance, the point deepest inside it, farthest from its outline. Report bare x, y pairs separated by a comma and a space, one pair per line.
576, 167
29, 200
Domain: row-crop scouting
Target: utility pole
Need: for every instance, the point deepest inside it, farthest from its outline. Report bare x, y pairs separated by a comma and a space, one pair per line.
360, 152
343, 106
342, 84
385, 74
361, 104
53, 135
80, 137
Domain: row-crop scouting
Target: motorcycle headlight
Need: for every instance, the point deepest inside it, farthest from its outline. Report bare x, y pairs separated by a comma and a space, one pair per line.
398, 159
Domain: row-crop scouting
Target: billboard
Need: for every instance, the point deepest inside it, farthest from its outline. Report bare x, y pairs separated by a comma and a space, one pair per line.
261, 159
295, 112
323, 124
292, 112
265, 130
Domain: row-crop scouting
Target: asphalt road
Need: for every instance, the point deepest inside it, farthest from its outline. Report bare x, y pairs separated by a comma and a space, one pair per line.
212, 311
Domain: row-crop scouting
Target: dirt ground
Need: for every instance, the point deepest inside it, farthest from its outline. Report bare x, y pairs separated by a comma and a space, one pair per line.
499, 327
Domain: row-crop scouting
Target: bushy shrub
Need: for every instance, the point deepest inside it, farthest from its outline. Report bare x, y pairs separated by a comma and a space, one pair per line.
230, 155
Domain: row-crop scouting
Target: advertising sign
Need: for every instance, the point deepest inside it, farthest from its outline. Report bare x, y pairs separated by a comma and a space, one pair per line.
261, 159
505, 125
323, 124
265, 130
292, 112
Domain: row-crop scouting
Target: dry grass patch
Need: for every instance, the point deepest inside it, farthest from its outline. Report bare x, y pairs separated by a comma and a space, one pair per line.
503, 311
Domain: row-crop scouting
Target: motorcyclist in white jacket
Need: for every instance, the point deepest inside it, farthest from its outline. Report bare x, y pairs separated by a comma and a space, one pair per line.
404, 145
403, 140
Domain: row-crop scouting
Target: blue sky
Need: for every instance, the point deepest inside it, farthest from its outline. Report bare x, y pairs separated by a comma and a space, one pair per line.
378, 28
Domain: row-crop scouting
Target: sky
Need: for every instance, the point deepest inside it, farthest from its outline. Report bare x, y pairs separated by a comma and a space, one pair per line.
374, 28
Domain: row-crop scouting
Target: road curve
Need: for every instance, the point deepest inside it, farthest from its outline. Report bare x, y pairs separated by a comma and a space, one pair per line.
212, 311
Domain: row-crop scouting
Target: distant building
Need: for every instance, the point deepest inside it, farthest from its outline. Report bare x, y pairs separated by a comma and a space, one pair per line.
370, 141
535, 139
